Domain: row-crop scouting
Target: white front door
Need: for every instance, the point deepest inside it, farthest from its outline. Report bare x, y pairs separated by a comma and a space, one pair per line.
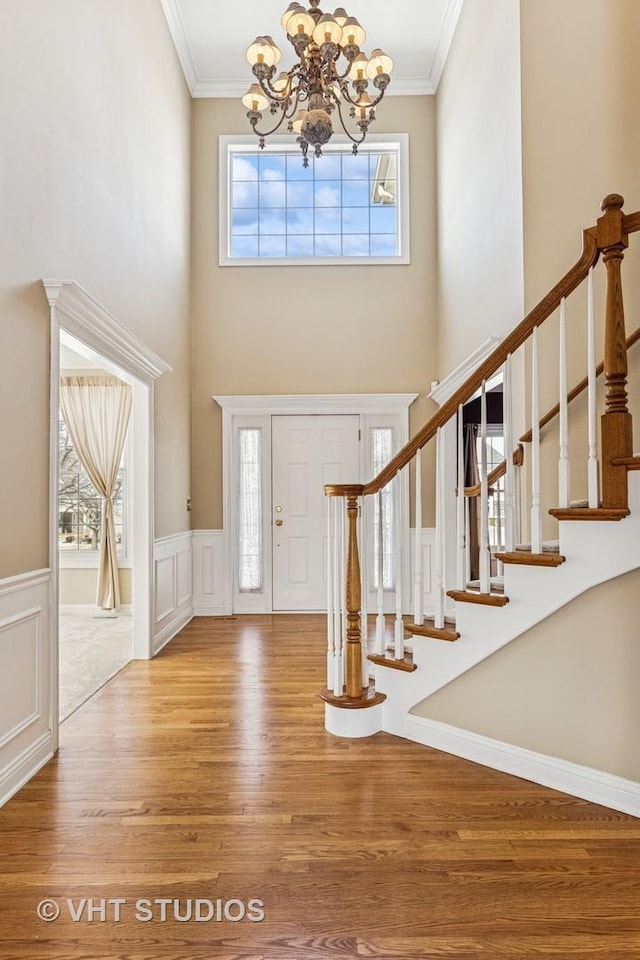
307, 452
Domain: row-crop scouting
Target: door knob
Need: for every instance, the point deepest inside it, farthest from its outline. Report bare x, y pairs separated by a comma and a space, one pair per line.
279, 523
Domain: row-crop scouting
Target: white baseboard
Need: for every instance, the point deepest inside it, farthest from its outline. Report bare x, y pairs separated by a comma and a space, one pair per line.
172, 627
572, 778
90, 609
24, 767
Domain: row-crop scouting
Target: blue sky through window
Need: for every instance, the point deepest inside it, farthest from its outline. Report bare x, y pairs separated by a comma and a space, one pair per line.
342, 205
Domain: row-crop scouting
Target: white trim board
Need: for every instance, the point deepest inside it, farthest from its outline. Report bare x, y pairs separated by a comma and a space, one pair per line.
80, 315
77, 318
586, 783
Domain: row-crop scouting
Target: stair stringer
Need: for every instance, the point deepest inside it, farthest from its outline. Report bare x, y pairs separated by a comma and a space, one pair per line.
595, 553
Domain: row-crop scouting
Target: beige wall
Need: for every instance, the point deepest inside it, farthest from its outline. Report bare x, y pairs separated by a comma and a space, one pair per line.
581, 141
94, 186
567, 688
479, 182
324, 329
79, 585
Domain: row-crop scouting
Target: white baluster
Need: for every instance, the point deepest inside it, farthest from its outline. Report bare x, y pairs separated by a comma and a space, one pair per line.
330, 626
460, 509
485, 553
364, 593
418, 613
338, 591
593, 470
380, 621
509, 480
438, 563
467, 534
397, 521
536, 517
563, 463
442, 476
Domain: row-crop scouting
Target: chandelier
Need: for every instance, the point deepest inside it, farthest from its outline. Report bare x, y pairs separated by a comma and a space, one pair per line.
320, 86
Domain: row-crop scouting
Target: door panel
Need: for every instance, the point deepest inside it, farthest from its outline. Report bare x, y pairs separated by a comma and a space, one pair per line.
307, 452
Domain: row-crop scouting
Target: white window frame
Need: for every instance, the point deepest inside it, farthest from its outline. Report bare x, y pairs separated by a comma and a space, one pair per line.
257, 411
228, 145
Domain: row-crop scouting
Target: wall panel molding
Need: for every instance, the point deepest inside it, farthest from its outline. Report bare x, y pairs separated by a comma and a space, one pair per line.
210, 574
173, 595
26, 679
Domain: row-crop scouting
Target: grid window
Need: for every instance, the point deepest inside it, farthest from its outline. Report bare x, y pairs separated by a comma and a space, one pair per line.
80, 504
342, 207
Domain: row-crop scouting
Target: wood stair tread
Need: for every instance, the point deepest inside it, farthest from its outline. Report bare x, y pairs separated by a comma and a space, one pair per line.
587, 513
527, 558
474, 596
428, 629
388, 660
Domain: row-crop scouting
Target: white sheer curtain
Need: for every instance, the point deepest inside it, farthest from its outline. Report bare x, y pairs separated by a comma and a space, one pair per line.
96, 411
250, 549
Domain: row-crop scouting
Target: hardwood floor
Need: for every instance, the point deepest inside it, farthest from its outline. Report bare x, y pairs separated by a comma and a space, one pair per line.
207, 774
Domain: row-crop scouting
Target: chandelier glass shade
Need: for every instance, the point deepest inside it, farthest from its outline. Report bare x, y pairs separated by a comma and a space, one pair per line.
328, 83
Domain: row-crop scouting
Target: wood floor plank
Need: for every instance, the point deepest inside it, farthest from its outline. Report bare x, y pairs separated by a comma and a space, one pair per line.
207, 775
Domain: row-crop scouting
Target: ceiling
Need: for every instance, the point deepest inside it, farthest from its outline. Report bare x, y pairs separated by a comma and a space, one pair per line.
211, 37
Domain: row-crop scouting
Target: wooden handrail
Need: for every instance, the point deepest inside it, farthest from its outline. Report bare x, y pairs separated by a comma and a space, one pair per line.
497, 473
577, 390
494, 361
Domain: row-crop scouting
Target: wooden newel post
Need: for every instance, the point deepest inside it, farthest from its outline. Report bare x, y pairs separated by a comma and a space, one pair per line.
616, 422
353, 668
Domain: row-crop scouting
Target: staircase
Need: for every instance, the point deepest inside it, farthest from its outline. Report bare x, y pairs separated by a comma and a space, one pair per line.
372, 684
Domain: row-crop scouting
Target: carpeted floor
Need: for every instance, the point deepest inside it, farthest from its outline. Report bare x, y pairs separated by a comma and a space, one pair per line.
93, 648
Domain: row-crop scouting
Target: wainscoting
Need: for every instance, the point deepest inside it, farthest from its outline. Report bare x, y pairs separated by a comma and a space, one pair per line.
211, 574
173, 593
26, 710
213, 584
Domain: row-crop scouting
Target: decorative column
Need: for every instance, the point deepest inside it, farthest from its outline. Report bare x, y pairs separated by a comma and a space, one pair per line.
616, 422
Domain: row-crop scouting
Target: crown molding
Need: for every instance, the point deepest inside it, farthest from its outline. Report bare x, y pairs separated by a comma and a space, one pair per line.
181, 42
219, 88
86, 320
445, 38
399, 87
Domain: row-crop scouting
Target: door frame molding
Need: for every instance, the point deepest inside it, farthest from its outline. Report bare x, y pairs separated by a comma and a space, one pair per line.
101, 337
263, 408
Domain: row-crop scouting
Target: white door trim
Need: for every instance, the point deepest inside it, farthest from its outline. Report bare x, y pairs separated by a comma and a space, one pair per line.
103, 338
263, 407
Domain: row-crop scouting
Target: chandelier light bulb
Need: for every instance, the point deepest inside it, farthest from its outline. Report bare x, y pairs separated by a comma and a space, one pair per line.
353, 33
254, 99
261, 51
379, 62
340, 15
300, 22
285, 16
327, 30
275, 48
281, 82
358, 69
